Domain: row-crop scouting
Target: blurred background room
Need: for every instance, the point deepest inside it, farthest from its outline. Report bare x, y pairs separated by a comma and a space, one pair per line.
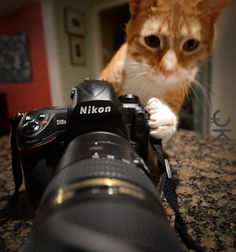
48, 46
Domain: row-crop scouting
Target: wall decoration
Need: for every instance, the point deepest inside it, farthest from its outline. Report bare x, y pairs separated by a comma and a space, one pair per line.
14, 58
75, 22
77, 48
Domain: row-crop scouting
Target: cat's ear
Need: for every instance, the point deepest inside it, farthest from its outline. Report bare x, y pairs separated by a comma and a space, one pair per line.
134, 7
138, 6
213, 8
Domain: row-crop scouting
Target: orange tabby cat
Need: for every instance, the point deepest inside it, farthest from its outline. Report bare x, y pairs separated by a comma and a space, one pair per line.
166, 42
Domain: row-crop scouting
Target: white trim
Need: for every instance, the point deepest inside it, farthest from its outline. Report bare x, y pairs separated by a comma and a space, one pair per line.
96, 33
51, 43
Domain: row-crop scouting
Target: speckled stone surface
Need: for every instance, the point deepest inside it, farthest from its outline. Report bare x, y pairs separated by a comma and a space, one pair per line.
204, 171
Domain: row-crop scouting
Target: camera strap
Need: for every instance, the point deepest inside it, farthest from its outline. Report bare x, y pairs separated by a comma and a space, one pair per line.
16, 168
167, 186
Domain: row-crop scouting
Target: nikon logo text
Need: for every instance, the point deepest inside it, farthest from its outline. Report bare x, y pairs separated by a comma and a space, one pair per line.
86, 110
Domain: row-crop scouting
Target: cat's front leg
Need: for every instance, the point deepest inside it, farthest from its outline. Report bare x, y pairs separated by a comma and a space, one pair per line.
162, 120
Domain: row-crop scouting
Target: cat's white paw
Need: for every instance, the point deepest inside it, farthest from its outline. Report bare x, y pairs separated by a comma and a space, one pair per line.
162, 120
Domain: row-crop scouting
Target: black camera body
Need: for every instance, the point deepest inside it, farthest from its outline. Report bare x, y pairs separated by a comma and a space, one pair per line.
86, 168
43, 134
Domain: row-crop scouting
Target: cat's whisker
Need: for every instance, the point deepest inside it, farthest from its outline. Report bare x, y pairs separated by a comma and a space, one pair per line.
139, 75
195, 88
203, 90
194, 94
185, 89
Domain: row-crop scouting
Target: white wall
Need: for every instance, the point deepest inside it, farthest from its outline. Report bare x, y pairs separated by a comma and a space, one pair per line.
52, 49
63, 75
224, 72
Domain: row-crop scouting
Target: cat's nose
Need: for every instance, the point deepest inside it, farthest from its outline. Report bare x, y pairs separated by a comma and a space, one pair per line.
168, 73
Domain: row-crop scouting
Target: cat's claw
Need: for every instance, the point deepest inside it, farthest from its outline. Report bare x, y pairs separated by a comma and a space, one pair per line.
162, 120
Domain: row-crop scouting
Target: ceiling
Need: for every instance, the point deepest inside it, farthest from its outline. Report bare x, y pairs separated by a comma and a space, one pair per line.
9, 5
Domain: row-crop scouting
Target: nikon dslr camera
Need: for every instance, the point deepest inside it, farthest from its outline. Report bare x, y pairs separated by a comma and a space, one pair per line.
98, 122
87, 165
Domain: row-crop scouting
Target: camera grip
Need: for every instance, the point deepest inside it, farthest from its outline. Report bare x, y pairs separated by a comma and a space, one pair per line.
40, 127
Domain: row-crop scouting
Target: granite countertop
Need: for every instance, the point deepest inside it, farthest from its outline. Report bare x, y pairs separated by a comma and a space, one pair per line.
204, 171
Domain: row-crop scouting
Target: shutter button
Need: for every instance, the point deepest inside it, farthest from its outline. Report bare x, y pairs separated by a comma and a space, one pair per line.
42, 117
28, 118
31, 127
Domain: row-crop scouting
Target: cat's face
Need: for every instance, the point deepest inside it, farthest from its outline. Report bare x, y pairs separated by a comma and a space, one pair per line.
171, 37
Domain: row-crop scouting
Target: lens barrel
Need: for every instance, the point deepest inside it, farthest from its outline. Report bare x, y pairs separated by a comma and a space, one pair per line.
101, 199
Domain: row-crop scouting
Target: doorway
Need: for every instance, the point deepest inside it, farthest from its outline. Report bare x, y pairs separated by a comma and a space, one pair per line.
112, 22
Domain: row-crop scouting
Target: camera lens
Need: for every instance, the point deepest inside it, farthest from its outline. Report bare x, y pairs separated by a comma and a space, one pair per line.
102, 199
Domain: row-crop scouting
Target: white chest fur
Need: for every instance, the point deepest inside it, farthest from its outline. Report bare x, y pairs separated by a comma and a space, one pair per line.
143, 87
140, 81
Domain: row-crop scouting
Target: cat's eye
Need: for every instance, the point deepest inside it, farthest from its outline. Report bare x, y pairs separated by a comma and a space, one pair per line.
152, 41
191, 45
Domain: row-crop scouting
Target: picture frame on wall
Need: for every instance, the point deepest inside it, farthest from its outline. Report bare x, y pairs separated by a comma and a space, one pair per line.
74, 22
77, 50
15, 62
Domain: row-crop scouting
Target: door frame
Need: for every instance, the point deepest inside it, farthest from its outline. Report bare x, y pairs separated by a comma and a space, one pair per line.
96, 33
